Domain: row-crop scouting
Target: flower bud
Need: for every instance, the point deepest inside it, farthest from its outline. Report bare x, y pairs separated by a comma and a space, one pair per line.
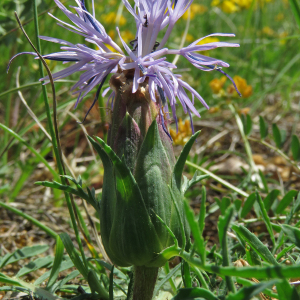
141, 180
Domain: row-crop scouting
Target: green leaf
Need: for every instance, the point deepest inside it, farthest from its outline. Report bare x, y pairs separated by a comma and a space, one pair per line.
247, 124
296, 10
164, 280
255, 243
277, 134
192, 293
42, 262
111, 284
263, 128
284, 251
248, 205
178, 169
67, 264
58, 285
295, 147
224, 204
286, 200
246, 293
264, 181
56, 185
292, 233
193, 181
186, 274
23, 253
286, 291
196, 231
265, 217
201, 220
59, 252
223, 225
96, 286
271, 197
73, 254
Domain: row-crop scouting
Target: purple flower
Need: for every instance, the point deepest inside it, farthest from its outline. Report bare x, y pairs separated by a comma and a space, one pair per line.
146, 57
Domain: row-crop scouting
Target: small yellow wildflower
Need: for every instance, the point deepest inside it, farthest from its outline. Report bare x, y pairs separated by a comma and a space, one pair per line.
217, 84
214, 109
189, 38
195, 9
208, 40
127, 36
283, 35
111, 17
226, 5
242, 86
268, 31
279, 17
184, 132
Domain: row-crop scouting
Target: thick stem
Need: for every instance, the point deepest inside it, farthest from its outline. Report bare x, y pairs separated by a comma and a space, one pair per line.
144, 282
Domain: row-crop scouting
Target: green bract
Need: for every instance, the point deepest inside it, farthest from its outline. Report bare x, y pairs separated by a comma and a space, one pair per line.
142, 195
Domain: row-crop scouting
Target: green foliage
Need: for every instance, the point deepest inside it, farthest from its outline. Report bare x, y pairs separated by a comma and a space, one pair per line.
263, 128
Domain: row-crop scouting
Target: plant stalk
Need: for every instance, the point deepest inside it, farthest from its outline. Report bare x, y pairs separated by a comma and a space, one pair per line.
144, 282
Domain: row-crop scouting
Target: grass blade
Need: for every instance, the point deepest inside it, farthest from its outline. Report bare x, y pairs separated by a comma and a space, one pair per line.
59, 251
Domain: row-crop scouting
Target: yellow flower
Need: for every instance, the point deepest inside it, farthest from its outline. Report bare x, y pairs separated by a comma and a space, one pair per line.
189, 38
127, 36
111, 17
208, 40
243, 4
279, 17
268, 31
226, 5
183, 134
242, 86
283, 35
217, 84
195, 9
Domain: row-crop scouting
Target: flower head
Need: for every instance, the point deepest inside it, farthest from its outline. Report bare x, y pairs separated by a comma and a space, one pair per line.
146, 56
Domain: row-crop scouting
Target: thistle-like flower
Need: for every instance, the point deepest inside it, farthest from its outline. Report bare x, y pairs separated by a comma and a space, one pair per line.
146, 56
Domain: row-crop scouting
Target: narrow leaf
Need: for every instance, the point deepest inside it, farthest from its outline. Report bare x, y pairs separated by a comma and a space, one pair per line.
248, 205
192, 293
59, 252
286, 200
263, 128
271, 197
295, 147
73, 254
292, 233
196, 232
178, 169
265, 217
42, 262
23, 253
255, 243
296, 10
277, 136
246, 293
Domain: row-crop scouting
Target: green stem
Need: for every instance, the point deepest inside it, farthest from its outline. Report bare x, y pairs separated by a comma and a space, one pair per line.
144, 282
54, 129
167, 270
219, 179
